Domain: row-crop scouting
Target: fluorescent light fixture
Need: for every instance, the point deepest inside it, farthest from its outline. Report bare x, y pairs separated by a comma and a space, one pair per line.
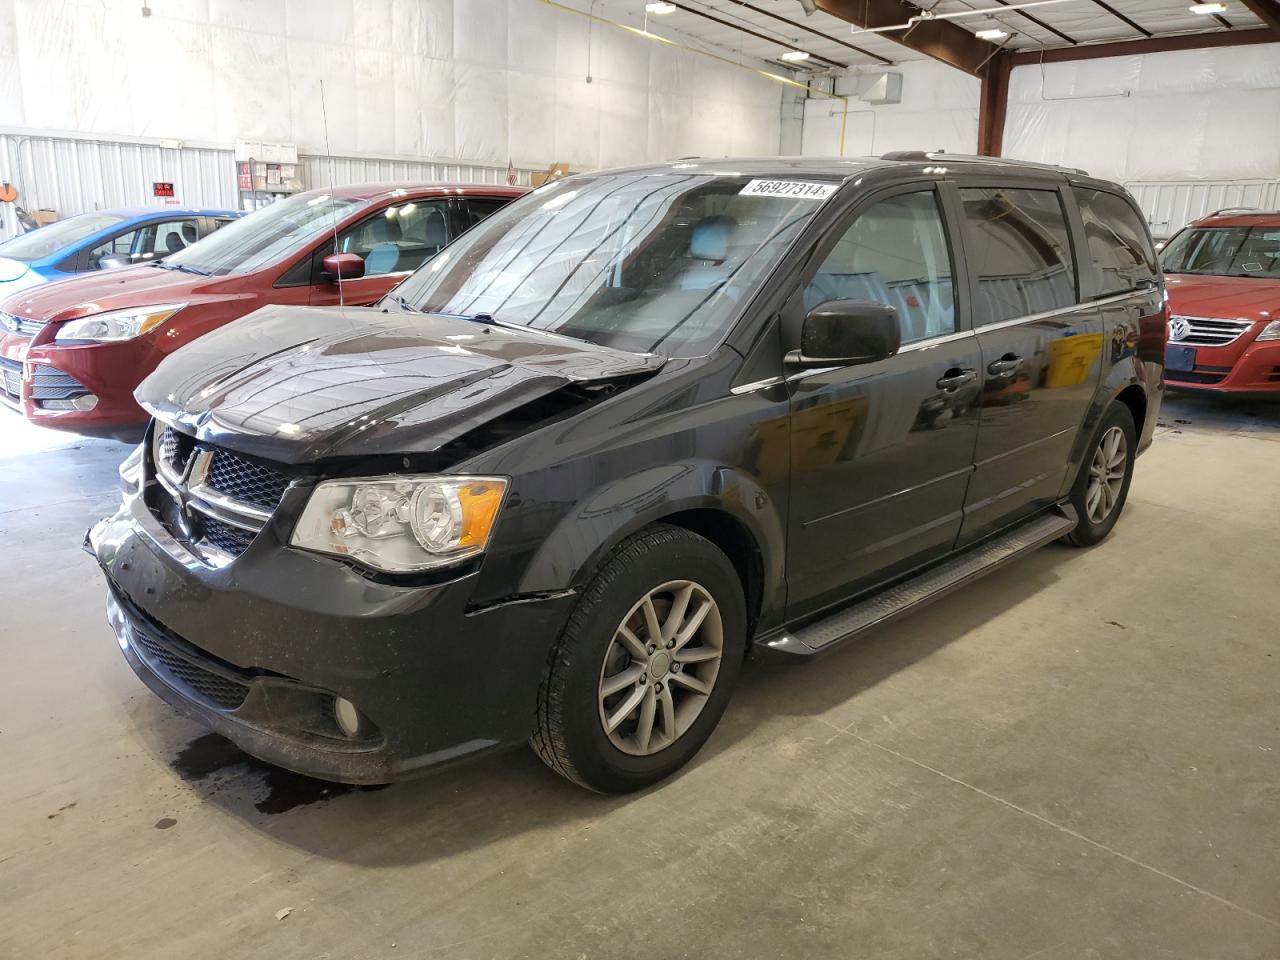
660, 9
794, 56
991, 33
1208, 9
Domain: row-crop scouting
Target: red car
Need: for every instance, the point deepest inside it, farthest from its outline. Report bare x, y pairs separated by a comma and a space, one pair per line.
1223, 278
72, 352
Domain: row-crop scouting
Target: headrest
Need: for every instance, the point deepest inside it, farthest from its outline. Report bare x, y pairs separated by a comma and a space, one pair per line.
434, 230
189, 232
710, 240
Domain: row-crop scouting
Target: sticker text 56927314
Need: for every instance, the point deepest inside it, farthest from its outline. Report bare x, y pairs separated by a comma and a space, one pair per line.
799, 189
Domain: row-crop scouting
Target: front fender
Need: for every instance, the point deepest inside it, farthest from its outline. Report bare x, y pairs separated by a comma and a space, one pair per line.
596, 524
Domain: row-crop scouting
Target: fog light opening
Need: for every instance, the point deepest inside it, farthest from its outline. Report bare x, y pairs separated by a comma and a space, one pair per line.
85, 402
347, 717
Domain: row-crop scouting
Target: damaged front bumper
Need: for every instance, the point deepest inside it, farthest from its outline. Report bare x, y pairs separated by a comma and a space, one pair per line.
259, 651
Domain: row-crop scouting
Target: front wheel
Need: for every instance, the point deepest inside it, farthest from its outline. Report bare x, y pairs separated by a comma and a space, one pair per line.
1102, 486
646, 664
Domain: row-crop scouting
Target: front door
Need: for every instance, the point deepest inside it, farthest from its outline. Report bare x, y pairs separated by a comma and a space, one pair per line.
881, 452
1041, 351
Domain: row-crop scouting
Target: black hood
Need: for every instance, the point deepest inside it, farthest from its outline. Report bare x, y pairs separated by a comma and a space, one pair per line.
298, 384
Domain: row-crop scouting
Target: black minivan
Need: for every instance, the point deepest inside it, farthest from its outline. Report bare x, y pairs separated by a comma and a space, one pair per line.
638, 424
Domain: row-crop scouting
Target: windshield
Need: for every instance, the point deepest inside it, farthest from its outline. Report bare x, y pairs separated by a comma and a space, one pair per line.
1225, 252
264, 236
43, 241
641, 262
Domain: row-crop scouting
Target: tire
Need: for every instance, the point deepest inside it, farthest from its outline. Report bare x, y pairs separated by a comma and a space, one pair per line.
683, 685
1099, 510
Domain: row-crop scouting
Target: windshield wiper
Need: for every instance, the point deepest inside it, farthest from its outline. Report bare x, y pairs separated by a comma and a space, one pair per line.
182, 267
402, 303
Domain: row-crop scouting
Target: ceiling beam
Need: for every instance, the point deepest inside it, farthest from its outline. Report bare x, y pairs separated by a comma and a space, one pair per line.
817, 33
1122, 18
783, 44
993, 105
939, 39
1124, 48
1268, 11
1038, 22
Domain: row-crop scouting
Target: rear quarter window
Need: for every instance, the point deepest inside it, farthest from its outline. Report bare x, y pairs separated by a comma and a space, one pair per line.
1120, 255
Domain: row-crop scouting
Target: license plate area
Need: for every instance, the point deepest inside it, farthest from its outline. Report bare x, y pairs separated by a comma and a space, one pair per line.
1180, 358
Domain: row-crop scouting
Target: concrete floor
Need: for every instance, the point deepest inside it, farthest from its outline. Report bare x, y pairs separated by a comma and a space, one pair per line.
1077, 758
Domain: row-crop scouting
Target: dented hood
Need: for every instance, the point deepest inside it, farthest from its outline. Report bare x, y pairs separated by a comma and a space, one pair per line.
299, 384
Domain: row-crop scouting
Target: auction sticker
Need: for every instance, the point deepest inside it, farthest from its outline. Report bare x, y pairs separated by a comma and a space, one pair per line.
799, 189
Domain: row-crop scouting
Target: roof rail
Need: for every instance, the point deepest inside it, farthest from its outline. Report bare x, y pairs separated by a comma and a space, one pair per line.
1259, 210
923, 156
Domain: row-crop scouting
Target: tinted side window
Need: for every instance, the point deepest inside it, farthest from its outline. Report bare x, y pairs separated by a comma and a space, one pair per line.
1120, 253
1020, 253
475, 209
895, 253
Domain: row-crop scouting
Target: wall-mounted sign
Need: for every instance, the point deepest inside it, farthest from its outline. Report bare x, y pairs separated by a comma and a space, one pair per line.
244, 175
160, 189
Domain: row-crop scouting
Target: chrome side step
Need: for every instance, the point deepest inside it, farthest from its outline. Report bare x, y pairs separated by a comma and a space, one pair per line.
913, 594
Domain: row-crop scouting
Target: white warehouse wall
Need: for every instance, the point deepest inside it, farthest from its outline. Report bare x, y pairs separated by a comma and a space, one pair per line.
939, 111
483, 81
1185, 115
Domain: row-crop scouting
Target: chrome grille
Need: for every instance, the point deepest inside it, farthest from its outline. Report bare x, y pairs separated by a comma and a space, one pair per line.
11, 379
246, 480
215, 500
1210, 332
23, 326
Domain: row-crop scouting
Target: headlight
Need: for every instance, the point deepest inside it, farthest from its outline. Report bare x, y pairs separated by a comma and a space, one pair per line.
1271, 331
116, 325
401, 524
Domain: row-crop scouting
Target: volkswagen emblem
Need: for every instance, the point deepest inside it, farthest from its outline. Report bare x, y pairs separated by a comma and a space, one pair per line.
1179, 328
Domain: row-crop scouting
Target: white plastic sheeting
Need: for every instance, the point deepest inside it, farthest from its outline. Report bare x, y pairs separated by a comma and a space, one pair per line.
1171, 205
481, 81
73, 176
939, 111
1194, 114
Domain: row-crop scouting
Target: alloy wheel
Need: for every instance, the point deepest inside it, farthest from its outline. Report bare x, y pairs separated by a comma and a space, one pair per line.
660, 668
1106, 475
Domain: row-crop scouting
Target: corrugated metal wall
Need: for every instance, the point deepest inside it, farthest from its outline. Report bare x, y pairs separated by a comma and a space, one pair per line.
1172, 204
74, 176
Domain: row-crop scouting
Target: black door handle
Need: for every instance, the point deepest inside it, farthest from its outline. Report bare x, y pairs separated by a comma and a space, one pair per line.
955, 378
1006, 366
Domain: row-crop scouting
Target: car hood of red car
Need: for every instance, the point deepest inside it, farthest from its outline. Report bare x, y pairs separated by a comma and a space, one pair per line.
139, 286
1244, 298
298, 384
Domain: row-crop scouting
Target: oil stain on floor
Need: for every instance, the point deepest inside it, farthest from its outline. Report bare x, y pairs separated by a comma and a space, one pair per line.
285, 790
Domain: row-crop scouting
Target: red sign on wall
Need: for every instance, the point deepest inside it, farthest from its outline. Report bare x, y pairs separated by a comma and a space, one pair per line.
162, 189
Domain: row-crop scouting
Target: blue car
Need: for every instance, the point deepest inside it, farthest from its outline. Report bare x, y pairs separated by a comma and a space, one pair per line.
101, 240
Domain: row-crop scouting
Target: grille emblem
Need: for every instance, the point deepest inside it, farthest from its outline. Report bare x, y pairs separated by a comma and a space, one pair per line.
1179, 327
10, 322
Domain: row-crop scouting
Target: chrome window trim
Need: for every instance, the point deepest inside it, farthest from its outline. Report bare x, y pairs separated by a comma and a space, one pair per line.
756, 385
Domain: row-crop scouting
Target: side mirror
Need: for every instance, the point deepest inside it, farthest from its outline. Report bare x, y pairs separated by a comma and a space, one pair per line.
844, 332
341, 266
114, 261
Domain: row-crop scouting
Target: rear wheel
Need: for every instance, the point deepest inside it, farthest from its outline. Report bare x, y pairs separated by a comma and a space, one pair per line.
1102, 486
645, 666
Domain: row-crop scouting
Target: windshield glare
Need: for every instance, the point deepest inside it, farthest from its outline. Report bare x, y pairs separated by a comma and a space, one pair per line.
49, 239
641, 262
264, 236
1225, 252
